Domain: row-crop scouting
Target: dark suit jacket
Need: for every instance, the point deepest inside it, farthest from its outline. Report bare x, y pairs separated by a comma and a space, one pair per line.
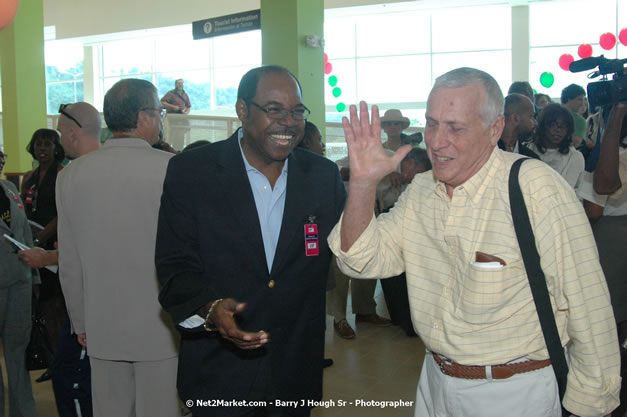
209, 246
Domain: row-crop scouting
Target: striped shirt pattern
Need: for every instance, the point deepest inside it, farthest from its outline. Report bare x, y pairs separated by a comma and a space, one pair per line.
480, 316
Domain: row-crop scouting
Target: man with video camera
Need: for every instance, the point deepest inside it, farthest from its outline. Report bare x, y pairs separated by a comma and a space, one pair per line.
605, 199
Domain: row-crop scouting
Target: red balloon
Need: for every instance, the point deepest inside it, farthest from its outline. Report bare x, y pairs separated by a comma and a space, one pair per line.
565, 61
8, 10
585, 50
607, 41
328, 68
622, 36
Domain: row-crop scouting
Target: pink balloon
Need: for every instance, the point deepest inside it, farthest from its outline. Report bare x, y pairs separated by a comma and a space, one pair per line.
565, 61
585, 50
8, 10
326, 58
622, 36
328, 68
607, 41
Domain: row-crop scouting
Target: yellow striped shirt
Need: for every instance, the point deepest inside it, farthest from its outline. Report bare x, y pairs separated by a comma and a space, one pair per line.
478, 316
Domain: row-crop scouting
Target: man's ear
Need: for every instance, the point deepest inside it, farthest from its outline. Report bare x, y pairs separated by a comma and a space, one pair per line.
241, 108
496, 130
516, 117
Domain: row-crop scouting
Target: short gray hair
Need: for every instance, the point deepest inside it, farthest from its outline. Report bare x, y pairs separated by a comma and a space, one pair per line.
462, 77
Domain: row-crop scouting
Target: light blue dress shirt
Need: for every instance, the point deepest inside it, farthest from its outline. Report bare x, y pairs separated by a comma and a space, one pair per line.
270, 203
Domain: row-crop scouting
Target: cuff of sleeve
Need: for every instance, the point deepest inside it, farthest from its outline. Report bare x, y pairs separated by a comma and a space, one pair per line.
581, 402
362, 251
192, 322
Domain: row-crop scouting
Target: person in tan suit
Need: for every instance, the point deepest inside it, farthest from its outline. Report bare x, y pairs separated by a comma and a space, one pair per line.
108, 202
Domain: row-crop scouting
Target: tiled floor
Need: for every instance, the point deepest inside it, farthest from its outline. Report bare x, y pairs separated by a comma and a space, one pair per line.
380, 364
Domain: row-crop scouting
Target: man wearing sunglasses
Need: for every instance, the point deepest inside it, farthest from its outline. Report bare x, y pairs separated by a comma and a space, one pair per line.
107, 202
243, 260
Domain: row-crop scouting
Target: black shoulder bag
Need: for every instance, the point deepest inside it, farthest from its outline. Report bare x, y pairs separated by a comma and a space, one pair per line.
537, 281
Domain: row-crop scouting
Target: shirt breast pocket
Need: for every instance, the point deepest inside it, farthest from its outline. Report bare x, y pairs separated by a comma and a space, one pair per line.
488, 296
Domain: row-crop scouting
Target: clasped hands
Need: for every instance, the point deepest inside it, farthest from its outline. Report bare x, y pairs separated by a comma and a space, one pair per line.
368, 162
223, 319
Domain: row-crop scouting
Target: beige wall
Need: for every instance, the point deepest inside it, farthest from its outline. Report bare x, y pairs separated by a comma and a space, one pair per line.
77, 18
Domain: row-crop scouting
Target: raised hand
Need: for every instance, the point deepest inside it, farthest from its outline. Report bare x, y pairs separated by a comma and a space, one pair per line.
368, 161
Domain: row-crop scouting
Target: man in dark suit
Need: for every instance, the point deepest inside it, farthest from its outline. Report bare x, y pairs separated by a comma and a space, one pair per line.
242, 257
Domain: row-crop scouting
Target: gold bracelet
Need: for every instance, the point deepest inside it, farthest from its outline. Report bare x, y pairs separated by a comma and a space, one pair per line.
207, 320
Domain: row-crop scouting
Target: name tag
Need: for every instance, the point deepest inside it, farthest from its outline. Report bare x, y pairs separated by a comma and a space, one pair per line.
311, 240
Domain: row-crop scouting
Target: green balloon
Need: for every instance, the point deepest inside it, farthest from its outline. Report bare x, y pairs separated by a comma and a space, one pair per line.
337, 91
332, 80
340, 107
547, 79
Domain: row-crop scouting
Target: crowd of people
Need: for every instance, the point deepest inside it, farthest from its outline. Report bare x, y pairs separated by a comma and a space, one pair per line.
202, 275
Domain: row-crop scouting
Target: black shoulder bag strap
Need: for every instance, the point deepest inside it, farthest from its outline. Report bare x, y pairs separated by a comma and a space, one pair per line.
537, 281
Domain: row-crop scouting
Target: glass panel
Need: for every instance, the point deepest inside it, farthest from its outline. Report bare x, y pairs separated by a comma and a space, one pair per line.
196, 85
181, 52
129, 57
237, 49
394, 79
393, 34
339, 35
472, 29
547, 60
64, 60
63, 92
497, 63
226, 84
572, 23
344, 71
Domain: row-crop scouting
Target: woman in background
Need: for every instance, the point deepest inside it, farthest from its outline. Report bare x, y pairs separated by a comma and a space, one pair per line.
553, 140
38, 194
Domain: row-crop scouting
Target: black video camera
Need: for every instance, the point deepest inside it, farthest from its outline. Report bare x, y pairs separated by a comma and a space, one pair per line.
604, 92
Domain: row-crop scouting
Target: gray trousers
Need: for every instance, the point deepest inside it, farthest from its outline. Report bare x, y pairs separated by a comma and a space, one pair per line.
15, 325
134, 389
362, 294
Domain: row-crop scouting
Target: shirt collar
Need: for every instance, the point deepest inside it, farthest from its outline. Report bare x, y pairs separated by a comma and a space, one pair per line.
475, 186
248, 166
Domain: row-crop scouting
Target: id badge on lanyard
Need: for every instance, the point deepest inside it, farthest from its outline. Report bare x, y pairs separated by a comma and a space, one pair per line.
312, 247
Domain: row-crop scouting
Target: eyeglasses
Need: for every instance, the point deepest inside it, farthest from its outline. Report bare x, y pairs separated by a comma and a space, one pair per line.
280, 113
557, 125
66, 114
162, 111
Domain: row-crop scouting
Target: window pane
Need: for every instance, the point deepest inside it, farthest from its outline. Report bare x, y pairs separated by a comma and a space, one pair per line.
237, 49
226, 84
63, 93
497, 64
393, 79
393, 34
196, 85
339, 35
344, 71
181, 52
547, 60
472, 29
129, 57
64, 60
572, 23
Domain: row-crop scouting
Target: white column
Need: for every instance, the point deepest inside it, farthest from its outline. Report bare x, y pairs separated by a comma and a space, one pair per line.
520, 43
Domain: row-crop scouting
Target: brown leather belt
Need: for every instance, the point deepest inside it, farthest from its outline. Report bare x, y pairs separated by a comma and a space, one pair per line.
479, 372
